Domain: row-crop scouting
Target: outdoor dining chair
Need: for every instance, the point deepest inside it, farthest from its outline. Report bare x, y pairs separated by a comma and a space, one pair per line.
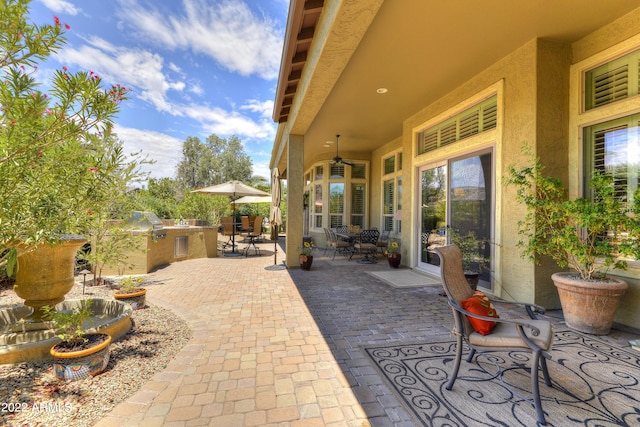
477, 324
254, 235
367, 244
383, 241
337, 244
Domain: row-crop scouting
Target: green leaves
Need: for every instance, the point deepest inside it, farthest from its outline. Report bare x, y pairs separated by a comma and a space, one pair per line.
589, 236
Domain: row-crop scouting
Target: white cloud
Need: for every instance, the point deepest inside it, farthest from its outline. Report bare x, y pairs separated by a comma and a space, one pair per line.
166, 150
61, 6
136, 69
264, 108
227, 31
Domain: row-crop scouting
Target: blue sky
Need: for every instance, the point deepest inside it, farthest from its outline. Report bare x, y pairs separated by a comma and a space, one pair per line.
194, 67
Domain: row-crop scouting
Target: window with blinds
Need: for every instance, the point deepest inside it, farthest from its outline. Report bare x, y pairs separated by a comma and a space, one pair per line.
613, 148
358, 171
613, 81
479, 118
357, 204
337, 171
388, 206
389, 165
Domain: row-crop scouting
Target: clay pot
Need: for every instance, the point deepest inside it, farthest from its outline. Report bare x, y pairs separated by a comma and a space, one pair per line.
589, 306
394, 260
306, 261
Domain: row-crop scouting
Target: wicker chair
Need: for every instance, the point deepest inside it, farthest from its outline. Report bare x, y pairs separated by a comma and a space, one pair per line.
508, 334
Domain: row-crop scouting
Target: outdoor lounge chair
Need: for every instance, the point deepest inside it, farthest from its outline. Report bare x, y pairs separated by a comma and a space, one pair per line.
507, 335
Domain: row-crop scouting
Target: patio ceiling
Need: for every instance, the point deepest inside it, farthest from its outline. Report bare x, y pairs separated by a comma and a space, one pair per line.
419, 50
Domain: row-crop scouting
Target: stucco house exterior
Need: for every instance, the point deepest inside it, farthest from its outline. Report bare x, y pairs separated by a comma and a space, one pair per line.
434, 100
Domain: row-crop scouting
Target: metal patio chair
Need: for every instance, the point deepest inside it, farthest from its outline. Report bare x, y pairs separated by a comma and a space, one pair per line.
507, 335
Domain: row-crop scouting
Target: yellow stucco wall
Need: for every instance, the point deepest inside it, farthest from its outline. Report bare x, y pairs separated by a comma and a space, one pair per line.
202, 244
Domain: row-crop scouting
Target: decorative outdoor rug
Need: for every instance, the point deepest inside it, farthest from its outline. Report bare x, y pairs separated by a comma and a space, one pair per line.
594, 384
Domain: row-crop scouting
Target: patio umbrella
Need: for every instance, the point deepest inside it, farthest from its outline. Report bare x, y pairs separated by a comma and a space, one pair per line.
233, 189
276, 214
254, 199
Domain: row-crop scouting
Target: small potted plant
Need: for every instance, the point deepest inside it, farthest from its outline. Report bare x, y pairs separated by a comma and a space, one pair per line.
131, 292
306, 259
588, 235
79, 355
473, 259
393, 254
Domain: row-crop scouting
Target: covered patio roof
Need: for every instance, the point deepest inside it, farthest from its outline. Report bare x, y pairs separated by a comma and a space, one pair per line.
339, 54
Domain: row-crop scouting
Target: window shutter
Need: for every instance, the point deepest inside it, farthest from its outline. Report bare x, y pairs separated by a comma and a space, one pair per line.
479, 118
337, 170
469, 124
388, 197
357, 199
610, 86
389, 165
358, 171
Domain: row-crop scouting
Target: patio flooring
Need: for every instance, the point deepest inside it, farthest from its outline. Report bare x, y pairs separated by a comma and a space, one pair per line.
284, 347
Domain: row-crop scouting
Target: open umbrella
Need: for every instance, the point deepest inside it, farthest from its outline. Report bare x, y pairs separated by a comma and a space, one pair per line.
254, 199
276, 214
233, 189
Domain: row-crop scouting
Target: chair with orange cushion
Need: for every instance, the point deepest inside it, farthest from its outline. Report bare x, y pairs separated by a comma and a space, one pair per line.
477, 324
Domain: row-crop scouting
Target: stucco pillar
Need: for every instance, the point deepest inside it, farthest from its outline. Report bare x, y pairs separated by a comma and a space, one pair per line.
295, 189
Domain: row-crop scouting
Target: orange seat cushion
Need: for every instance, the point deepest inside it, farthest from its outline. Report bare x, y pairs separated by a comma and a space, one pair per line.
479, 304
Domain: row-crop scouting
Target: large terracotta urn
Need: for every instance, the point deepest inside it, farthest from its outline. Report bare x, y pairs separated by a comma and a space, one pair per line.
589, 306
45, 275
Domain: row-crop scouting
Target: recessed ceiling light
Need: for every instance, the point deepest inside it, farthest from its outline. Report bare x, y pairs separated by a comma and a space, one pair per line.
326, 146
329, 142
381, 90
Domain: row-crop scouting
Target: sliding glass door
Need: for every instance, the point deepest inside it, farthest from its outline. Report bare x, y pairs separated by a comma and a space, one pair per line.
456, 195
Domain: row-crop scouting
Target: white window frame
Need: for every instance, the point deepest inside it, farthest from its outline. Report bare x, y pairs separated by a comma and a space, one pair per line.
580, 118
388, 216
325, 182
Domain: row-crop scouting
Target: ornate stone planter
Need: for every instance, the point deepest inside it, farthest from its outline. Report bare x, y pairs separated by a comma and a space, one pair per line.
45, 275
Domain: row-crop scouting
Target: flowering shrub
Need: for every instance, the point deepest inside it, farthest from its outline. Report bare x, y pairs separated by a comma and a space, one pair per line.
59, 162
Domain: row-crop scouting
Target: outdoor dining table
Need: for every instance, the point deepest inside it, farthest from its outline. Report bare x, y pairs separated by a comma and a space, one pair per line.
351, 238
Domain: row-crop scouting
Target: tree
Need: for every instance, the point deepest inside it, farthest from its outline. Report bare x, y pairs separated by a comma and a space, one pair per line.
48, 169
213, 162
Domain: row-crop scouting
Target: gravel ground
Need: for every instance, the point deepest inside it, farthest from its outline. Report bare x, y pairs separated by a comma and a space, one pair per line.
42, 400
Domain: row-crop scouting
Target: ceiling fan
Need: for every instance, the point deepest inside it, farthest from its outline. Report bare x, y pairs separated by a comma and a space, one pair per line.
337, 159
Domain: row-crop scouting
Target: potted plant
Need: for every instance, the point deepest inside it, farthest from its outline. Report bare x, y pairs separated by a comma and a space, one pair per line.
473, 259
55, 169
79, 354
393, 254
306, 259
589, 236
131, 292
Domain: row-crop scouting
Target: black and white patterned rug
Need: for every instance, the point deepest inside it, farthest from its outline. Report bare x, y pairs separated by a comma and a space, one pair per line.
594, 384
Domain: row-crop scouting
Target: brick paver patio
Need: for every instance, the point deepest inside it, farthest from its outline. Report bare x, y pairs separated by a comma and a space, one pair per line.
281, 348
